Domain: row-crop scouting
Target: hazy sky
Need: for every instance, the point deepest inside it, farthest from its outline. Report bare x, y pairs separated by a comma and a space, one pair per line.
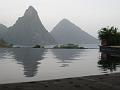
90, 15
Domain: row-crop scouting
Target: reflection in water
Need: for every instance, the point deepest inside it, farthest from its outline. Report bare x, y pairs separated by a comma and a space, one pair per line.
66, 55
2, 54
5, 54
22, 64
29, 58
109, 62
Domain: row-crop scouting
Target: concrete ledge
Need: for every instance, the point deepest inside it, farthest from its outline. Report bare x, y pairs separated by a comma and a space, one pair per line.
98, 82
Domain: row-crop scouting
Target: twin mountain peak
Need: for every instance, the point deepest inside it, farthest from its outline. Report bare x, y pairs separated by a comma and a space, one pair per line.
29, 30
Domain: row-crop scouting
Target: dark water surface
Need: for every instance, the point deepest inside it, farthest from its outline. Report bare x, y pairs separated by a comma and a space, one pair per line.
29, 64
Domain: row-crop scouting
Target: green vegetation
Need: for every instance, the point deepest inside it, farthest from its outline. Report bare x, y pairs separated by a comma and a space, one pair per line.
4, 44
69, 46
109, 36
38, 46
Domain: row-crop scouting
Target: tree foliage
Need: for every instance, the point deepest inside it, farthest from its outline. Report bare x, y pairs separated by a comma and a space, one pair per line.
110, 34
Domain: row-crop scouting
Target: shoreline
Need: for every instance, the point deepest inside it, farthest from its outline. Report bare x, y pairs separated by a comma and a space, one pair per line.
46, 48
96, 82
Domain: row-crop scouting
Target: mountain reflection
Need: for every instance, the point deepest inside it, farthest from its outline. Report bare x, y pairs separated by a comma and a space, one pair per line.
109, 62
66, 55
29, 58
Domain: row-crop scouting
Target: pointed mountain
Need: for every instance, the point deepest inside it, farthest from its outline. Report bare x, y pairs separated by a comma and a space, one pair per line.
66, 32
30, 11
29, 30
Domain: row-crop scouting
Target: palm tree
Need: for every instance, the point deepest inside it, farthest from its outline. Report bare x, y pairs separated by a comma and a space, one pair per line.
109, 36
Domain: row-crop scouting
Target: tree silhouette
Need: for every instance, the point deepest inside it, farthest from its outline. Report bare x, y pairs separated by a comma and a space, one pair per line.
109, 36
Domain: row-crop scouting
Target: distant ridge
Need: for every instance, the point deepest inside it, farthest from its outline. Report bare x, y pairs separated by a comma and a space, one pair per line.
29, 30
3, 31
67, 32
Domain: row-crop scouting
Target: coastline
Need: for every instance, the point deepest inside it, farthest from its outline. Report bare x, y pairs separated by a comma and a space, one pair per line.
96, 82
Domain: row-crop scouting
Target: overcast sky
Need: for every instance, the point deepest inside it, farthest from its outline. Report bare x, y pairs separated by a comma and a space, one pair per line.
90, 15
